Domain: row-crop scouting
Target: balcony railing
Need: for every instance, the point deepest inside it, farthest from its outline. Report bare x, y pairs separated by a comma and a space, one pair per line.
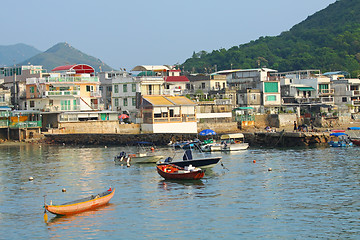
26, 124
95, 94
4, 123
355, 93
327, 100
62, 93
326, 91
356, 103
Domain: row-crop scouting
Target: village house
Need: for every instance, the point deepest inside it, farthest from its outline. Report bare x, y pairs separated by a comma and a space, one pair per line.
67, 88
168, 114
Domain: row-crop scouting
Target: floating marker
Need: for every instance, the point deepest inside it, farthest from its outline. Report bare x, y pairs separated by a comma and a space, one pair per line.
31, 178
254, 161
63, 190
269, 169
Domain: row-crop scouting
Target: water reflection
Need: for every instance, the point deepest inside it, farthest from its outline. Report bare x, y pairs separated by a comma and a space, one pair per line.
85, 219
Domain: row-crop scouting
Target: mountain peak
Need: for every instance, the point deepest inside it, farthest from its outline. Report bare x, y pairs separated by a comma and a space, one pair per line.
64, 54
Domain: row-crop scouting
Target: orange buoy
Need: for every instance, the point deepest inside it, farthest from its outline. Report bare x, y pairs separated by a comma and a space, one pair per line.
254, 161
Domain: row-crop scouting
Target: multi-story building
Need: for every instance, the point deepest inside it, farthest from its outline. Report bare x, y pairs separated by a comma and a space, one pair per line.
306, 87
68, 88
346, 93
124, 92
5, 96
260, 79
15, 80
204, 84
105, 88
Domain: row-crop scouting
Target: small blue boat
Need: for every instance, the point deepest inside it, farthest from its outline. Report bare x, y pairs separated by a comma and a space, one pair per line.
343, 140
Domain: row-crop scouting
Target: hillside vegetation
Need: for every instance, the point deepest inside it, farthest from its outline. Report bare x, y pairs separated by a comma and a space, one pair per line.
329, 40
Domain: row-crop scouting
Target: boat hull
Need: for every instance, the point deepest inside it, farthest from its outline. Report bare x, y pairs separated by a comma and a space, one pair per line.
176, 173
145, 158
223, 147
356, 141
201, 162
81, 205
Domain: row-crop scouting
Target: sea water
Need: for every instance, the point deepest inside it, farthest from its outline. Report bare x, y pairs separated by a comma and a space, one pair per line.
257, 193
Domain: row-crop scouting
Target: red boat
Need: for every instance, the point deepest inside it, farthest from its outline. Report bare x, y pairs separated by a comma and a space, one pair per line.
81, 205
356, 141
173, 172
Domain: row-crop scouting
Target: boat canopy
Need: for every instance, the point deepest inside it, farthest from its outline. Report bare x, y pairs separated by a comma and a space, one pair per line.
232, 135
337, 134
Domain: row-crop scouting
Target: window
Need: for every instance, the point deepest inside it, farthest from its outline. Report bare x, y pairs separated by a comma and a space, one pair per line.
32, 104
51, 102
133, 101
125, 88
32, 89
116, 88
125, 102
116, 102
65, 104
271, 98
203, 85
133, 87
271, 87
87, 88
344, 99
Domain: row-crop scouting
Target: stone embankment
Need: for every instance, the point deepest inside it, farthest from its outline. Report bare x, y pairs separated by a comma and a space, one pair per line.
287, 139
255, 139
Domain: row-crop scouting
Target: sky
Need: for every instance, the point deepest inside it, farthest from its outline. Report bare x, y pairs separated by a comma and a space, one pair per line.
124, 34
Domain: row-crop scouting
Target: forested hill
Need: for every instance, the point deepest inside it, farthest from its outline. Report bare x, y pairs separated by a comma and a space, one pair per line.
328, 40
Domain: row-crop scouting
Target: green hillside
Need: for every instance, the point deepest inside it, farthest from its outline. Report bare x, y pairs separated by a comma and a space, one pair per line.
328, 40
12, 54
64, 54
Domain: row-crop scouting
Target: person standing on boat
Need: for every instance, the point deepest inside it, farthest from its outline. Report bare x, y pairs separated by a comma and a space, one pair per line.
295, 126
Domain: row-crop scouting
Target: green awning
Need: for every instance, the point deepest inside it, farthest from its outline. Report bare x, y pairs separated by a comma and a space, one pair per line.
243, 108
305, 88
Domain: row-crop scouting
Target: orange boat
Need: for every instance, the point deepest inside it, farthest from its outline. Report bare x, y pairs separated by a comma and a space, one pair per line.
81, 205
173, 172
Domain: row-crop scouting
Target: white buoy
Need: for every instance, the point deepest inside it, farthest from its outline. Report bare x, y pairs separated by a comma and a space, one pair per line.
31, 178
105, 146
63, 190
269, 169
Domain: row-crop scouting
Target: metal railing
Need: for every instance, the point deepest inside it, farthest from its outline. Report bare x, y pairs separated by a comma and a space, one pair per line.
26, 124
62, 93
326, 91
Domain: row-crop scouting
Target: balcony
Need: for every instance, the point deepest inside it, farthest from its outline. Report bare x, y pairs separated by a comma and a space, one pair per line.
96, 94
323, 92
355, 93
61, 93
356, 103
327, 100
71, 79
